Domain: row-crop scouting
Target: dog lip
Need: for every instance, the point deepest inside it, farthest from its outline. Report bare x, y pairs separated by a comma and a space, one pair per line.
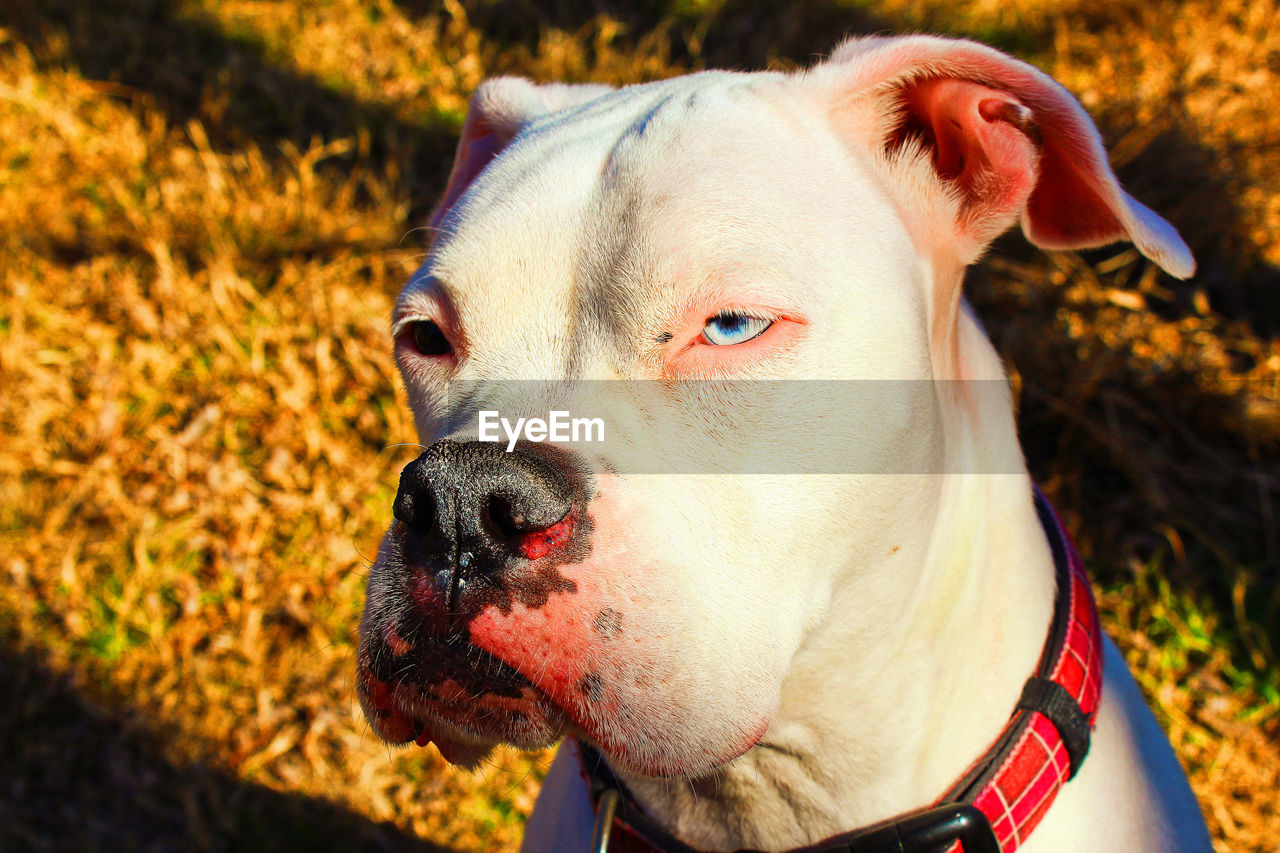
463, 714
462, 697
458, 724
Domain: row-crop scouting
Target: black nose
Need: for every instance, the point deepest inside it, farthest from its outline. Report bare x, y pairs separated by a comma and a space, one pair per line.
474, 508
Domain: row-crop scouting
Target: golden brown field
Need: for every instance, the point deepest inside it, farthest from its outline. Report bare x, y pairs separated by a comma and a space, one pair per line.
206, 209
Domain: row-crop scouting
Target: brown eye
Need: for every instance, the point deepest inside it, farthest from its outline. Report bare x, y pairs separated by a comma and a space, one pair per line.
429, 340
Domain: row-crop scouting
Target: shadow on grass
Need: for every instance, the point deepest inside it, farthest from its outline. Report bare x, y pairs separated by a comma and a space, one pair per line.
78, 777
193, 69
743, 34
1197, 189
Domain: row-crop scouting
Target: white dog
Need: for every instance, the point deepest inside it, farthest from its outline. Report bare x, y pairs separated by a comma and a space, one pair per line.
887, 647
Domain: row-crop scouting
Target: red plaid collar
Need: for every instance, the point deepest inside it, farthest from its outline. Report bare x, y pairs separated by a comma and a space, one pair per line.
1003, 795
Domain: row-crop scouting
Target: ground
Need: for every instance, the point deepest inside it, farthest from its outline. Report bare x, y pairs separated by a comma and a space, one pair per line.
207, 209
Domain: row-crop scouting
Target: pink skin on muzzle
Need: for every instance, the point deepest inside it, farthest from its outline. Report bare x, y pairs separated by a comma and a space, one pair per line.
598, 665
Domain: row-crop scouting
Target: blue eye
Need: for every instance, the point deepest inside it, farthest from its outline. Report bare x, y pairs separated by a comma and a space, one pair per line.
727, 328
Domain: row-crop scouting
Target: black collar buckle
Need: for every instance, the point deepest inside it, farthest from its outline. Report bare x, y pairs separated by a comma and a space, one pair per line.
932, 830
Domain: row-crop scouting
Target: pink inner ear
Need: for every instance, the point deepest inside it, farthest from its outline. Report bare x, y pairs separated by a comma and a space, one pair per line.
1072, 175
981, 142
1000, 130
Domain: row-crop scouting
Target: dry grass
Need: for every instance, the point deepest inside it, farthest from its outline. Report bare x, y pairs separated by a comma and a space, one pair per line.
206, 207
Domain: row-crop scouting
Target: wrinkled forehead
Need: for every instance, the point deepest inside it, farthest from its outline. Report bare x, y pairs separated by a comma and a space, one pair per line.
722, 180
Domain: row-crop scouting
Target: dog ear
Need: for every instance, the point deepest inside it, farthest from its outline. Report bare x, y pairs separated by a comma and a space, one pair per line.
499, 109
1006, 142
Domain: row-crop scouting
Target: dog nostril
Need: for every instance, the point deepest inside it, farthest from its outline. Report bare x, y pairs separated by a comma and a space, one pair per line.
514, 522
415, 510
505, 519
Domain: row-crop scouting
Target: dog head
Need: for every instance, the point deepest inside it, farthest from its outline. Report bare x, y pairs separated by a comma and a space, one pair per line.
691, 244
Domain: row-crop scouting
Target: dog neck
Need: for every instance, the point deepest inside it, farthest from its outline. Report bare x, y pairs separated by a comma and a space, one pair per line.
902, 685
